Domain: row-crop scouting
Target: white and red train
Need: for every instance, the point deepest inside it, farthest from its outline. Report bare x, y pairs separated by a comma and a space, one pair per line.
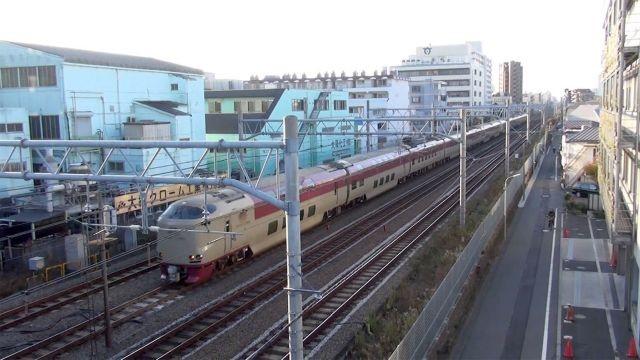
325, 190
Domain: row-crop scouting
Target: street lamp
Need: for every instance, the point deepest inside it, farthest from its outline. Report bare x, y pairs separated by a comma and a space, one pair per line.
504, 195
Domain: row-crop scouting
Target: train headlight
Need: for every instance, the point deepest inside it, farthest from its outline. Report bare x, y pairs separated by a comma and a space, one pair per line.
195, 258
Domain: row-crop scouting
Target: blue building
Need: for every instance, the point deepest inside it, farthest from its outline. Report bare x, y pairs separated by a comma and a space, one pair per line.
223, 109
14, 124
79, 94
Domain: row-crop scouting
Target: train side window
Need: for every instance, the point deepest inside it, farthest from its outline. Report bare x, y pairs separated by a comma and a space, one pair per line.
354, 185
227, 226
375, 183
361, 182
284, 223
301, 214
273, 227
381, 181
311, 211
387, 179
393, 176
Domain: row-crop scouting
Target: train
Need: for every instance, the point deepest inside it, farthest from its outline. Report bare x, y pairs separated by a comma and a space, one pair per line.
256, 226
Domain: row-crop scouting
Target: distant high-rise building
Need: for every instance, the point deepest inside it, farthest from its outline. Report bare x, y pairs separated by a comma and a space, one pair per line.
462, 72
510, 77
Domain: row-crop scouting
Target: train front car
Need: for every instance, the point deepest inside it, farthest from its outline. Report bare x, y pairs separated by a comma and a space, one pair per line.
192, 244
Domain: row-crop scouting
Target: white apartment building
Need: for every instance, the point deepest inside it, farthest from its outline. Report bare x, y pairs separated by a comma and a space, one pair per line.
462, 70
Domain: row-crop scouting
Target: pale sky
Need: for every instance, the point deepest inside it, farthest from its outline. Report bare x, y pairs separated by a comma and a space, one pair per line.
558, 42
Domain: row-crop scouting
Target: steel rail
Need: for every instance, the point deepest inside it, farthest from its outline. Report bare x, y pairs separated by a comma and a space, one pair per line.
12, 317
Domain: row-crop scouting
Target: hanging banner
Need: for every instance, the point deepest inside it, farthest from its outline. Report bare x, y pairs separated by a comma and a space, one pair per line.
155, 196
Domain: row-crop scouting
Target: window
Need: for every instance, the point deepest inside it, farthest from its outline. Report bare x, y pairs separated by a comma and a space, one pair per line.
182, 211
273, 227
217, 107
284, 223
436, 72
297, 105
387, 178
375, 183
11, 127
301, 214
415, 99
339, 104
28, 76
462, 82
15, 167
174, 87
45, 127
362, 182
117, 166
354, 185
227, 226
475, 83
381, 181
236, 107
311, 211
474, 72
14, 127
47, 75
415, 89
454, 94
393, 176
265, 105
251, 106
9, 77
321, 105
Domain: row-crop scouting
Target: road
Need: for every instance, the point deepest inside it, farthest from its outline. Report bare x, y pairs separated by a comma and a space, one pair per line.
516, 310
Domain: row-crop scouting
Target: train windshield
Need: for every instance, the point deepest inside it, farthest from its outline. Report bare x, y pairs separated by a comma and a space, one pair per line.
182, 211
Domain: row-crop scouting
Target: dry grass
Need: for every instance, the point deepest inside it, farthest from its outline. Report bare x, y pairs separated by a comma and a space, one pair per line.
384, 329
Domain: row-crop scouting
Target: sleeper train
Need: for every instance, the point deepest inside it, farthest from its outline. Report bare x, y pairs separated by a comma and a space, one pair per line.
325, 190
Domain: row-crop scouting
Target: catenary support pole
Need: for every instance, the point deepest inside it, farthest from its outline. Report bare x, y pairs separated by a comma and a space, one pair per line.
105, 276
294, 262
528, 121
506, 142
463, 170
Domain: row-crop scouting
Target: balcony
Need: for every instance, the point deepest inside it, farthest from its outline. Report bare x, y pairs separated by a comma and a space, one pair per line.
147, 130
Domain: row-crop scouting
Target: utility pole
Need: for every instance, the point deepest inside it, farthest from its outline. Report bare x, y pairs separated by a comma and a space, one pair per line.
294, 262
528, 120
368, 128
463, 170
506, 141
617, 165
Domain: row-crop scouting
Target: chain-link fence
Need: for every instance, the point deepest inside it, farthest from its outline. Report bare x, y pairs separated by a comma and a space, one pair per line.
424, 332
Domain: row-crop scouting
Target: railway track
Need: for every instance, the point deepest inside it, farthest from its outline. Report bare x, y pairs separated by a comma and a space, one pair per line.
214, 318
31, 310
321, 315
62, 341
231, 308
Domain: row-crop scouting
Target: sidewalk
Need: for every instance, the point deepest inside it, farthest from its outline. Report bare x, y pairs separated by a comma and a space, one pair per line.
599, 329
507, 319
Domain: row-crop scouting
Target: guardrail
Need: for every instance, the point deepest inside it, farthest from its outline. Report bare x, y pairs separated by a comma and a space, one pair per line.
433, 318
